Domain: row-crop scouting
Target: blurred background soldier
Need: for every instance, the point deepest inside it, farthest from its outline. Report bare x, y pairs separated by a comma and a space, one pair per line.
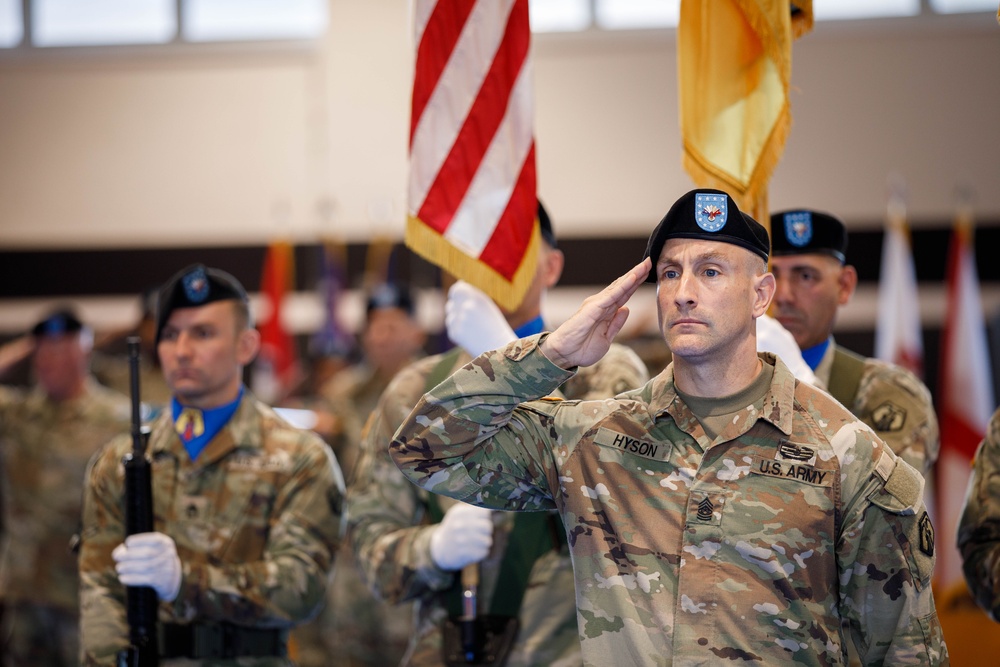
979, 529
355, 627
47, 435
808, 260
411, 546
110, 363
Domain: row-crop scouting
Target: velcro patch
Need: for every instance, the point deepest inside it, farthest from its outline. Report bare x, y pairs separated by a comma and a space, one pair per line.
791, 470
626, 443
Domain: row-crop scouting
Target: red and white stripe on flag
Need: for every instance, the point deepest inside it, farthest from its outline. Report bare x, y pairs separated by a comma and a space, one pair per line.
898, 336
472, 198
966, 399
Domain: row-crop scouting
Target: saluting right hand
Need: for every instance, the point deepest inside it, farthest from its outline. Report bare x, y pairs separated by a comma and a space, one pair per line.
586, 336
464, 536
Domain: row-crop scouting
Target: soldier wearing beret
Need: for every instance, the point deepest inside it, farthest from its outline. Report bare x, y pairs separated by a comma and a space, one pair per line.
813, 280
247, 509
47, 435
722, 512
413, 546
355, 628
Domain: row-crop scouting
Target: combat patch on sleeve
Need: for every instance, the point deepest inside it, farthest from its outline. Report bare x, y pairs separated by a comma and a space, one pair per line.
926, 535
888, 417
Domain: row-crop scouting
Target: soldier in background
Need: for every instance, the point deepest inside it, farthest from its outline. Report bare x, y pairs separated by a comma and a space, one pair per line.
979, 527
111, 366
724, 511
47, 435
813, 280
247, 509
411, 545
355, 628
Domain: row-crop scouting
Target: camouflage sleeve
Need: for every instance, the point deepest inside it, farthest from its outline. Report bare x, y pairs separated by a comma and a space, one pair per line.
885, 555
471, 438
288, 584
619, 370
979, 527
387, 523
898, 407
103, 627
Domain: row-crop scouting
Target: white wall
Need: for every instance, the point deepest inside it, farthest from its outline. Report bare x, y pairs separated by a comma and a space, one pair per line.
229, 146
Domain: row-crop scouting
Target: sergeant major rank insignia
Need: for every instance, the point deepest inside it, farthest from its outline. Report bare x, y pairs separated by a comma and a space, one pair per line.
799, 228
710, 211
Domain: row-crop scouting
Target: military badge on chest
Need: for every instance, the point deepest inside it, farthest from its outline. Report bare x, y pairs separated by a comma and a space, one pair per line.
795, 463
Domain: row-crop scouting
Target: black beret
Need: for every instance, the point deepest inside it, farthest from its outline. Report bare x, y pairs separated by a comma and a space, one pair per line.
57, 323
711, 215
389, 295
802, 232
195, 286
545, 226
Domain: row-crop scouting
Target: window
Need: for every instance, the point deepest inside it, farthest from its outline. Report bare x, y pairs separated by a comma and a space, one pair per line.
11, 25
62, 23
227, 20
91, 22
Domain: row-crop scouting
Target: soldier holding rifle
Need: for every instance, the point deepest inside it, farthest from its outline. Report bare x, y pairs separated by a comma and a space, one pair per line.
246, 509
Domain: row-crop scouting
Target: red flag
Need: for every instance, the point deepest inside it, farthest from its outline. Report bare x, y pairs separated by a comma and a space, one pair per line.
472, 199
277, 365
965, 401
898, 336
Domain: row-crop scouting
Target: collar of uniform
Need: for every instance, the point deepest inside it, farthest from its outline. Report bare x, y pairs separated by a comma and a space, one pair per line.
778, 401
243, 430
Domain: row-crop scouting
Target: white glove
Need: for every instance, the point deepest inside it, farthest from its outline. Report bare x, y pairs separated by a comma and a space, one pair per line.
773, 337
149, 559
464, 536
473, 321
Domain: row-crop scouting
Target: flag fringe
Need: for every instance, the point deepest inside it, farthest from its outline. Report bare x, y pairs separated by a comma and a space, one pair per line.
433, 247
751, 197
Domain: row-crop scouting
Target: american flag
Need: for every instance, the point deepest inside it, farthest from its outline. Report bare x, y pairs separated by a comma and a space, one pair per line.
472, 189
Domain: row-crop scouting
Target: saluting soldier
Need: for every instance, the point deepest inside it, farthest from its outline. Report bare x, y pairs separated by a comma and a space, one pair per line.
412, 546
247, 509
809, 262
725, 511
47, 435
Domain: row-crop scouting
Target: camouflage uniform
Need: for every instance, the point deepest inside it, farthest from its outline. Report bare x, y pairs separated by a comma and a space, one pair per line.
979, 527
256, 519
390, 532
354, 627
893, 401
752, 547
44, 449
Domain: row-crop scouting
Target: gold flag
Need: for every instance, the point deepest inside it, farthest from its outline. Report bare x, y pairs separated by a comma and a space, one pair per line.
734, 68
